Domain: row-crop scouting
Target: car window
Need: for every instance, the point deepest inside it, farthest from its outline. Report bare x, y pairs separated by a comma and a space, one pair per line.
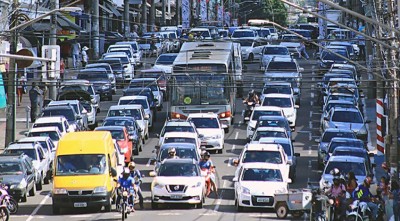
29, 152
262, 157
251, 174
277, 101
177, 129
347, 116
40, 153
126, 112
258, 113
260, 134
55, 124
179, 140
178, 169
205, 122
180, 152
9, 168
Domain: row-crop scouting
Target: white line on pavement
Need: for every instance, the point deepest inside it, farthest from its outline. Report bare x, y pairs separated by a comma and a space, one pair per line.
311, 113
233, 147
169, 214
312, 94
148, 163
310, 125
219, 201
309, 164
229, 162
312, 103
237, 135
38, 207
304, 131
240, 122
310, 137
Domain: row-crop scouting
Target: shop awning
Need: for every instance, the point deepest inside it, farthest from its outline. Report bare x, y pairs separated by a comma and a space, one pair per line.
63, 23
105, 9
113, 8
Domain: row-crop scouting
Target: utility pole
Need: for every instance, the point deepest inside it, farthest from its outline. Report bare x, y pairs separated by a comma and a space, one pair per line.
127, 26
394, 106
177, 12
53, 41
95, 29
144, 16
11, 85
152, 15
163, 13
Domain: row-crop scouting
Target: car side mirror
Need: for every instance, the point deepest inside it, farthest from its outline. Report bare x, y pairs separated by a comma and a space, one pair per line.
113, 172
152, 173
146, 117
289, 181
26, 134
296, 106
301, 69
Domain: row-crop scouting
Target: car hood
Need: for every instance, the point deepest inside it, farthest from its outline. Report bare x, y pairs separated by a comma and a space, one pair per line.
75, 95
264, 188
74, 181
11, 179
178, 180
209, 132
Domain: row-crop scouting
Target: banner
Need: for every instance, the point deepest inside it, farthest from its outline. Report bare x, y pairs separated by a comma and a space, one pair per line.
203, 10
185, 14
227, 19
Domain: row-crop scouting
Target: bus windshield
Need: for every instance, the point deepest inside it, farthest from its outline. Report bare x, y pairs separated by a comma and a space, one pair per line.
200, 89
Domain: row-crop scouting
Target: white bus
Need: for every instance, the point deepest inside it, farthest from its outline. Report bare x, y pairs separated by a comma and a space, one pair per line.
203, 81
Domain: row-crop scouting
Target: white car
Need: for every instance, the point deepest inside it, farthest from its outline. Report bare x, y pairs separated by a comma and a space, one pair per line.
181, 137
286, 102
244, 33
151, 83
60, 122
52, 132
129, 70
176, 126
256, 185
257, 113
137, 54
292, 42
211, 130
134, 110
40, 160
251, 49
178, 181
142, 100
47, 145
120, 157
277, 132
164, 62
78, 107
270, 51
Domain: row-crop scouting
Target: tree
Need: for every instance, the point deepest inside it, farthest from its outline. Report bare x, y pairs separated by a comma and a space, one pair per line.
273, 10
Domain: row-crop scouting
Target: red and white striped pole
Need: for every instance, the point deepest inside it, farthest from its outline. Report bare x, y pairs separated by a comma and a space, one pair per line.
380, 140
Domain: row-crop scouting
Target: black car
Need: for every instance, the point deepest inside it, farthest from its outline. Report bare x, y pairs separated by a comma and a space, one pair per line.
18, 174
143, 92
68, 112
101, 82
131, 126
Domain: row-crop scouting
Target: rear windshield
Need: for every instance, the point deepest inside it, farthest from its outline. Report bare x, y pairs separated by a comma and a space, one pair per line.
262, 157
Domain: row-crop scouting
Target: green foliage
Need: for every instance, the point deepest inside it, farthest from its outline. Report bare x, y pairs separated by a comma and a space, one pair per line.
273, 10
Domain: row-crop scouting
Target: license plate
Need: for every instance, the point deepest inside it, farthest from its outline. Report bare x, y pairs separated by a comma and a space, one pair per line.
80, 204
262, 200
176, 196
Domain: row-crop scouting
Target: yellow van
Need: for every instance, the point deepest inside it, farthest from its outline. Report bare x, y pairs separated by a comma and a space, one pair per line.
85, 171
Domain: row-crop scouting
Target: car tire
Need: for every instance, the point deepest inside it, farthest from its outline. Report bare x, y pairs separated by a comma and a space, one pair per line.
46, 180
107, 208
32, 191
140, 148
146, 136
24, 198
238, 208
110, 97
39, 185
56, 210
281, 210
199, 205
154, 205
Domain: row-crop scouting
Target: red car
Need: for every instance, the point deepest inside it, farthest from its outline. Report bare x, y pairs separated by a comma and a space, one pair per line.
120, 134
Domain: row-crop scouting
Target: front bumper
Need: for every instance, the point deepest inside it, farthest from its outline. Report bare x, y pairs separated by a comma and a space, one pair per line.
104, 93
76, 201
212, 144
258, 201
190, 196
17, 193
292, 121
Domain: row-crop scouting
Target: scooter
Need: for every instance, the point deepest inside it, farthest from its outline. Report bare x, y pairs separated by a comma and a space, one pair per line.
6, 199
359, 211
125, 205
206, 173
249, 107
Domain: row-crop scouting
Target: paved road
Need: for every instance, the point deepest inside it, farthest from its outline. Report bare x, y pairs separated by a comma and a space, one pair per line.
222, 208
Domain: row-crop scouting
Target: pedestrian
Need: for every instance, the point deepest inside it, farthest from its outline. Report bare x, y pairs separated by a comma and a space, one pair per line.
386, 170
35, 96
76, 50
62, 68
361, 46
302, 51
21, 87
395, 195
85, 57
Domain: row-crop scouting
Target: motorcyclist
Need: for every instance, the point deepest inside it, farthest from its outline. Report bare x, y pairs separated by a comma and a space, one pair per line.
172, 153
363, 194
252, 97
126, 182
338, 191
137, 177
206, 163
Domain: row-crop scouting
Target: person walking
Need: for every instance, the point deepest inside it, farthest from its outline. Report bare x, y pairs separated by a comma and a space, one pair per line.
21, 87
302, 51
85, 57
62, 68
361, 46
35, 96
76, 50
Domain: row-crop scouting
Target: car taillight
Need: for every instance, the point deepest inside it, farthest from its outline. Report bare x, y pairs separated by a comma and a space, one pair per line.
178, 116
224, 114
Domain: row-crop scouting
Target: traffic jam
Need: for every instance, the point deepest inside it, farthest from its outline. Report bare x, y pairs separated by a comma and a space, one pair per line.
85, 146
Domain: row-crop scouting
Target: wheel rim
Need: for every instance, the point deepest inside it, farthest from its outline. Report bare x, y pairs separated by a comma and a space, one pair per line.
281, 211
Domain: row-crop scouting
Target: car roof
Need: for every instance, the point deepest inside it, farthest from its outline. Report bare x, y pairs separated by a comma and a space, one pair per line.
177, 123
69, 82
120, 118
57, 107
50, 119
143, 79
180, 134
43, 129
103, 128
283, 74
139, 97
277, 129
277, 83
346, 159
262, 147
125, 106
29, 139
92, 70
15, 146
275, 46
203, 115
267, 108
64, 102
277, 140
178, 145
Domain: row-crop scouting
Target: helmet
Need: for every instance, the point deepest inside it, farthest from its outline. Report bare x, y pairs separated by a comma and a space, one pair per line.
335, 172
251, 93
206, 154
132, 165
171, 150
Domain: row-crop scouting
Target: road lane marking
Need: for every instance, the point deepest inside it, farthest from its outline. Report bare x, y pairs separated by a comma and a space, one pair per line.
233, 147
310, 124
240, 122
38, 207
309, 164
219, 201
311, 113
82, 216
312, 95
312, 103
169, 214
237, 135
148, 163
229, 162
304, 131
310, 137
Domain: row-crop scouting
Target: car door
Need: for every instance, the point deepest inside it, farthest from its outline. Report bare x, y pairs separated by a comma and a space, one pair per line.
257, 48
146, 121
29, 173
43, 160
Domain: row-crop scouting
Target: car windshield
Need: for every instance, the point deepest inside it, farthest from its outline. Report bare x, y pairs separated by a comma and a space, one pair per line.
260, 134
10, 168
29, 152
290, 37
126, 112
126, 51
166, 59
282, 66
251, 174
123, 59
273, 123
328, 136
331, 56
81, 164
115, 134
67, 113
142, 84
243, 34
100, 76
288, 149
177, 129
180, 152
179, 140
120, 122
246, 43
345, 167
276, 51
348, 143
277, 90
178, 169
54, 136
252, 156
258, 113
205, 122
46, 146
77, 88
342, 105
277, 101
137, 101
347, 117
59, 125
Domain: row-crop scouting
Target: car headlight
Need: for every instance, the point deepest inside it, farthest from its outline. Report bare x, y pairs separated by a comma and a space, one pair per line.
18, 186
291, 115
198, 184
218, 136
105, 86
60, 191
159, 186
245, 190
100, 189
281, 190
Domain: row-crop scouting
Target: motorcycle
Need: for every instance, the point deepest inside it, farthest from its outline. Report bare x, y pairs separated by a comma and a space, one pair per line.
359, 211
248, 110
207, 173
6, 199
124, 204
